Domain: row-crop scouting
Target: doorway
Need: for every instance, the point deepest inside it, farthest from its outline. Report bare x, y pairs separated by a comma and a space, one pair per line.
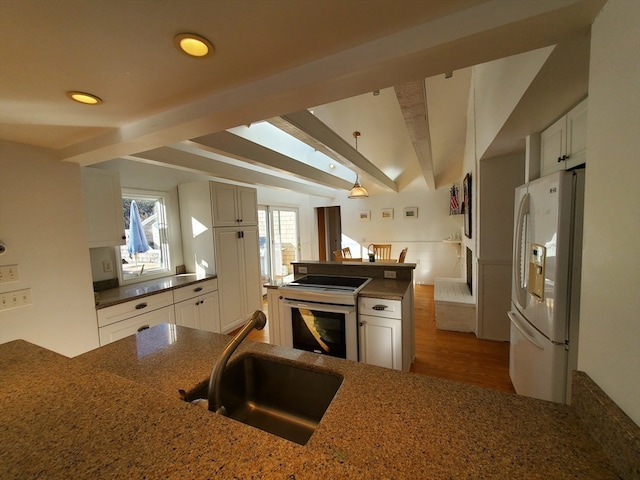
329, 232
279, 241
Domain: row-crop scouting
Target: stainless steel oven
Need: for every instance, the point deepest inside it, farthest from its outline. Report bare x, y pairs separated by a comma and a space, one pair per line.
319, 314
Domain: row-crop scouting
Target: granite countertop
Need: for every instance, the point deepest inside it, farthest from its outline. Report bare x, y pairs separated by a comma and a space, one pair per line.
116, 412
114, 296
386, 288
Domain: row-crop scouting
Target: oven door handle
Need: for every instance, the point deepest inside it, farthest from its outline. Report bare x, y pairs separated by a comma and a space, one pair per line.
323, 307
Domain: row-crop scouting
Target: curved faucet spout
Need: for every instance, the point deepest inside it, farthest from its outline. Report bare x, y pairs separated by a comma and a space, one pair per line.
258, 321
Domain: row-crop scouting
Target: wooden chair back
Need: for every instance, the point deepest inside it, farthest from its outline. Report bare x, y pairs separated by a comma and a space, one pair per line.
381, 251
338, 256
403, 254
346, 252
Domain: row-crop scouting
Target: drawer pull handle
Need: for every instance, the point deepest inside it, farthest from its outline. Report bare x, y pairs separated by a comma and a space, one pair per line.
198, 289
140, 306
379, 307
144, 327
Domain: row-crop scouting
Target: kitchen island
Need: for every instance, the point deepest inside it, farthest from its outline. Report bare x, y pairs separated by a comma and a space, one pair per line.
116, 412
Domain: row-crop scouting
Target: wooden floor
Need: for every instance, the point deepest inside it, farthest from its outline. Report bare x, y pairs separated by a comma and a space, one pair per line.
453, 355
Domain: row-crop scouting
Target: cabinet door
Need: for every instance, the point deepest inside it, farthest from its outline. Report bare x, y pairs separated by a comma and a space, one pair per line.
380, 342
223, 205
230, 270
103, 205
130, 326
251, 260
553, 147
209, 313
201, 312
247, 204
577, 135
187, 313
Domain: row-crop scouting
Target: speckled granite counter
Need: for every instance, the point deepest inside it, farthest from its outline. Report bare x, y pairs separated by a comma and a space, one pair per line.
113, 296
115, 412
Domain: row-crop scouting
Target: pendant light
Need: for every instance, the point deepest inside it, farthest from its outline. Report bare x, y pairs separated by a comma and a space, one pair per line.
357, 191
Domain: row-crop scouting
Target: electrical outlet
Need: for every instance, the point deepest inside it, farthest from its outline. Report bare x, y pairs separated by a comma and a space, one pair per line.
302, 269
389, 274
18, 298
9, 273
107, 266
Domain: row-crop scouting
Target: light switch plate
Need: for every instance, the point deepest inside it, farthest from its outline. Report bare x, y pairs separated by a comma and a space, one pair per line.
302, 269
9, 273
17, 298
389, 274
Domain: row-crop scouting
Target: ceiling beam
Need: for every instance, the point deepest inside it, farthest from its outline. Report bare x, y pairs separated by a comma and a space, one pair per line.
234, 146
206, 163
308, 123
412, 99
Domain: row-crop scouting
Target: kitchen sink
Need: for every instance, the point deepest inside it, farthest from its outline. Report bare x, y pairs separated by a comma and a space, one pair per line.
280, 398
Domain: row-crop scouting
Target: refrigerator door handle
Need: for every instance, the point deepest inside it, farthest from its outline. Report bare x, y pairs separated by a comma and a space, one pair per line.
518, 323
520, 290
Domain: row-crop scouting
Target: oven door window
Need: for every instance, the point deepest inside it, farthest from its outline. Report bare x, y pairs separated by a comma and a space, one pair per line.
319, 332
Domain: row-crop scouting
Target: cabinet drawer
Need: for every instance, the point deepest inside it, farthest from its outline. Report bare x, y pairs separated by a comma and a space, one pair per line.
130, 326
191, 291
379, 307
122, 311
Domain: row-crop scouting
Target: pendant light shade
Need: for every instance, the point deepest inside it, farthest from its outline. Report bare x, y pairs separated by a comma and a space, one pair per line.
357, 191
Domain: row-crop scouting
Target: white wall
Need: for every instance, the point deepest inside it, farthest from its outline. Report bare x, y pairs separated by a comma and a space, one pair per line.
422, 236
42, 222
609, 349
497, 179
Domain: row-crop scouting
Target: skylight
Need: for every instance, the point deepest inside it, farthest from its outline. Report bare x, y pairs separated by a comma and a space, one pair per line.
271, 137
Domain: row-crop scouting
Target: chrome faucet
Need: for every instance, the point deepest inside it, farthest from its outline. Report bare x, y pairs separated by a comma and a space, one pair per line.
258, 321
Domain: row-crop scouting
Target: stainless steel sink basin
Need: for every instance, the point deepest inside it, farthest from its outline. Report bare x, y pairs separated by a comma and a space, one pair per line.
279, 398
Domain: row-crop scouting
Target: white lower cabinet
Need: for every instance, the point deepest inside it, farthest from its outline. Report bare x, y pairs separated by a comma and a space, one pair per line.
380, 332
273, 321
197, 306
124, 328
381, 342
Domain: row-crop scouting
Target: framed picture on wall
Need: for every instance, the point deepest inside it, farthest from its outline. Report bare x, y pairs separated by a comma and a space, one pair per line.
466, 204
386, 214
365, 215
411, 213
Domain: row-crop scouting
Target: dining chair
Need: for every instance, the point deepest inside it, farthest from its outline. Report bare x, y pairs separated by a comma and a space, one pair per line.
338, 255
381, 251
346, 252
403, 254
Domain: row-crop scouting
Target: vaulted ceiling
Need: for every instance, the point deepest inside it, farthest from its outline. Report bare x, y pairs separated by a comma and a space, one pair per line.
316, 70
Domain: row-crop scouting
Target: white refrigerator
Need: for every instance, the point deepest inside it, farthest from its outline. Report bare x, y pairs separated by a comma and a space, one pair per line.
545, 293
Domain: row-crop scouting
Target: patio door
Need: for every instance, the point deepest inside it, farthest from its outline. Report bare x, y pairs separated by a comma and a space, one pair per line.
279, 241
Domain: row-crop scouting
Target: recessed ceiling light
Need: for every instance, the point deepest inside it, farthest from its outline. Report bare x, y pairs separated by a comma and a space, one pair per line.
332, 166
83, 97
193, 45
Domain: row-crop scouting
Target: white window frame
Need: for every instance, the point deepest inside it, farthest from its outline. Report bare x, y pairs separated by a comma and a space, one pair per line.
171, 247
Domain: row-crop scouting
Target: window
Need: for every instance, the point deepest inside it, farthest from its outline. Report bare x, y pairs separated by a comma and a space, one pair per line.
146, 253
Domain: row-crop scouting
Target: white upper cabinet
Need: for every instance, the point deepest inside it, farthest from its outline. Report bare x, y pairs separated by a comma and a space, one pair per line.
103, 206
564, 144
233, 205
